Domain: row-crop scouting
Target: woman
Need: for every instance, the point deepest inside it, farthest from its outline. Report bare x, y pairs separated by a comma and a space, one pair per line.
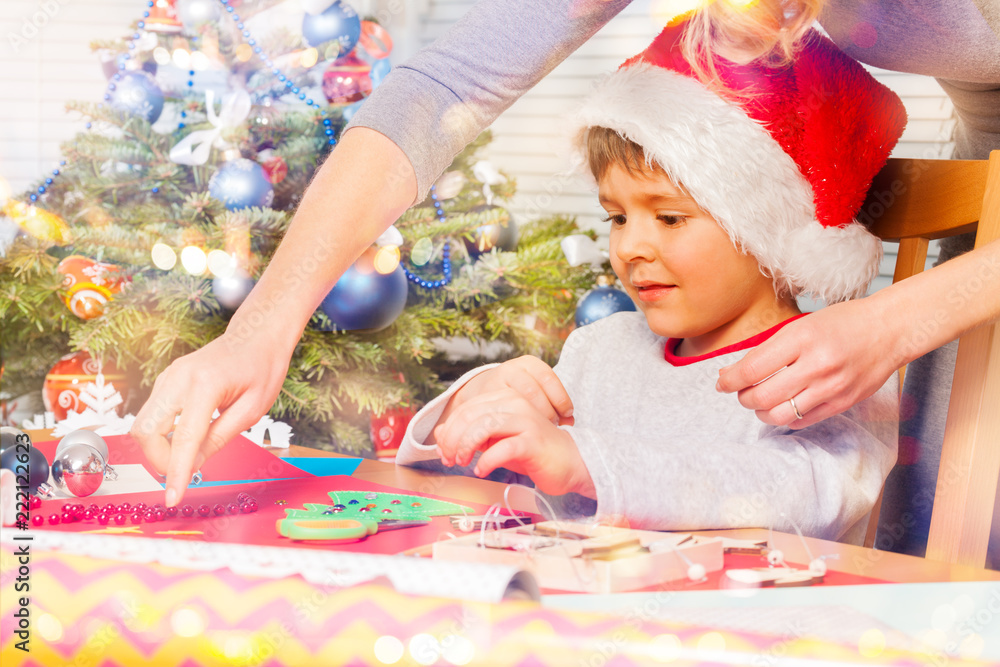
458, 85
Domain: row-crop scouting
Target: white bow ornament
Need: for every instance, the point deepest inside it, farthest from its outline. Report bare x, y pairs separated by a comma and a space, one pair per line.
195, 148
488, 175
581, 249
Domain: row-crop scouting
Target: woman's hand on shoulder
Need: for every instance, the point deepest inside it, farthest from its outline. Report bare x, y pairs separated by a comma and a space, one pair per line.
827, 362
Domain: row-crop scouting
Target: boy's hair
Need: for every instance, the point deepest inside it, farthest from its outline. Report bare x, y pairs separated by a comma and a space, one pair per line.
606, 148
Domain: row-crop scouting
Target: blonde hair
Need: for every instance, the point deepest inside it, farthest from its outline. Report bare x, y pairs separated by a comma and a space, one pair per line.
744, 30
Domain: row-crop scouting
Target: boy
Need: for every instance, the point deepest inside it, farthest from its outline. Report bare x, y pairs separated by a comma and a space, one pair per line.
724, 203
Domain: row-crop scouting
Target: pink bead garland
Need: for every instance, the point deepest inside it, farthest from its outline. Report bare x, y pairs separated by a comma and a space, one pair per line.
138, 513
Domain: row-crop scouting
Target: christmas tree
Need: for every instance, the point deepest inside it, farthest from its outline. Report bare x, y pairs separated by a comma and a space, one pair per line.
139, 247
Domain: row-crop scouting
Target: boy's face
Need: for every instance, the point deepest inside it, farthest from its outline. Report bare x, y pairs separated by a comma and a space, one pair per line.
680, 267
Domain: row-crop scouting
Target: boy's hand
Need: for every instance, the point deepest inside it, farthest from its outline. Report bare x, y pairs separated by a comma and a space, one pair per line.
515, 435
530, 377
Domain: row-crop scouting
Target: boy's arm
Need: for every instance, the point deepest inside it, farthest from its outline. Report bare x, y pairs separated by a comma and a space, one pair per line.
524, 387
418, 443
825, 478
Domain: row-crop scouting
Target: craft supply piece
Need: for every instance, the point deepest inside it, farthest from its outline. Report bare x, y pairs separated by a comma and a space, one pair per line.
778, 577
579, 557
747, 547
469, 522
339, 530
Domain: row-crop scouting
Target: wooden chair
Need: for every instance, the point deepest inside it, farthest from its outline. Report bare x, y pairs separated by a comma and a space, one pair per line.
913, 201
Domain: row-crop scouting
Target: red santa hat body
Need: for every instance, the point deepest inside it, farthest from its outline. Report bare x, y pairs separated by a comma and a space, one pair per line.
783, 166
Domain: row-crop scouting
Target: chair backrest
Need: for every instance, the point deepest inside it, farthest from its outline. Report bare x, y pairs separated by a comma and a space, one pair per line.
914, 201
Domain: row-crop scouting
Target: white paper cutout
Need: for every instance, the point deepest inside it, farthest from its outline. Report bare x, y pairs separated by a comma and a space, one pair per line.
102, 398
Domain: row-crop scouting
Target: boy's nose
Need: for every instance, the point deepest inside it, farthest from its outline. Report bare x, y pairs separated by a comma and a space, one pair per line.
634, 242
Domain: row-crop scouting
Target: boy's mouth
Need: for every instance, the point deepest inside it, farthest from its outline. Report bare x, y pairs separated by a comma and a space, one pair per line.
653, 291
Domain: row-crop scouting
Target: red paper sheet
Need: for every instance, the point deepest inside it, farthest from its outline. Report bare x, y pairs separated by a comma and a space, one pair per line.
259, 528
240, 459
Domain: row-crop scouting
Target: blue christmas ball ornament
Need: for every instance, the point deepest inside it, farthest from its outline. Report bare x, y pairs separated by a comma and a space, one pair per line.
363, 298
602, 301
138, 95
241, 183
30, 461
339, 22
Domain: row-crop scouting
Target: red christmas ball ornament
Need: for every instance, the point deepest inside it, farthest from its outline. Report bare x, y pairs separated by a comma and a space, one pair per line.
163, 17
70, 376
89, 285
347, 80
275, 168
375, 40
387, 430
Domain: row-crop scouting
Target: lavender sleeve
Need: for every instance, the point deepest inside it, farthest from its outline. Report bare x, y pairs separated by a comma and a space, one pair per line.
438, 101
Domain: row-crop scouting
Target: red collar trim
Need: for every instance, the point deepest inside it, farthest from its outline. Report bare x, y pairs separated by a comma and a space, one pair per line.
753, 341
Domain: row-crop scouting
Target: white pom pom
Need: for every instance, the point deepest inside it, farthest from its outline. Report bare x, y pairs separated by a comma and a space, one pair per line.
466, 525
696, 572
775, 557
817, 567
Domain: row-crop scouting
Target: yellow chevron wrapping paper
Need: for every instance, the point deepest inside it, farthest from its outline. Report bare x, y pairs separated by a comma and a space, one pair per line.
88, 612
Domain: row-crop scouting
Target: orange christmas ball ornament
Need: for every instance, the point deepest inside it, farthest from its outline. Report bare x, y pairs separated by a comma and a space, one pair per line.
89, 285
70, 376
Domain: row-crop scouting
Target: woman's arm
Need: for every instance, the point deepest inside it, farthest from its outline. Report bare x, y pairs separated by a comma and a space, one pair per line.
435, 103
843, 353
398, 143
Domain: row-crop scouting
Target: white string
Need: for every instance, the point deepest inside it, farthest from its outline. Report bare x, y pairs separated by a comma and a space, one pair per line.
492, 517
696, 571
799, 532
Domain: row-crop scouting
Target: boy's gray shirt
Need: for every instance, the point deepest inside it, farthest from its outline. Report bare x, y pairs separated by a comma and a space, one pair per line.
669, 452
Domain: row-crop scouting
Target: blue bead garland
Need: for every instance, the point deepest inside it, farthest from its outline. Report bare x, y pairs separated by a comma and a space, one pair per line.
445, 255
190, 84
268, 62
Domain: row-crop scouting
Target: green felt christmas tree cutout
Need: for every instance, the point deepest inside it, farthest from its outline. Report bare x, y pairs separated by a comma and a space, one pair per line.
371, 505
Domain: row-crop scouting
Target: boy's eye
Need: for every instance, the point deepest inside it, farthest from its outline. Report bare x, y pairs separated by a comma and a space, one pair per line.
671, 220
615, 219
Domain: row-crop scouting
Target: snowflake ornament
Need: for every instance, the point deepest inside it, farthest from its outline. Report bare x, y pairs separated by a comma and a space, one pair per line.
101, 399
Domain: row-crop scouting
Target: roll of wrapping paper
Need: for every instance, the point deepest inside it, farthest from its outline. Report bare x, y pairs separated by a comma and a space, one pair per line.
87, 610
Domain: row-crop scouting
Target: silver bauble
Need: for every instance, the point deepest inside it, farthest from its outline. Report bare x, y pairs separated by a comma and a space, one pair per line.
78, 470
193, 13
232, 290
83, 436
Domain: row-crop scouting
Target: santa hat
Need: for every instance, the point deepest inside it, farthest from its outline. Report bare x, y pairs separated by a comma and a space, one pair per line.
783, 167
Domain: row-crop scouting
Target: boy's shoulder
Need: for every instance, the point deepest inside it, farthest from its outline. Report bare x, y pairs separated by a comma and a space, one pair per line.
618, 327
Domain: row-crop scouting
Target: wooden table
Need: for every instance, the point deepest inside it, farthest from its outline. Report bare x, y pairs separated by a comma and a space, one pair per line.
884, 565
